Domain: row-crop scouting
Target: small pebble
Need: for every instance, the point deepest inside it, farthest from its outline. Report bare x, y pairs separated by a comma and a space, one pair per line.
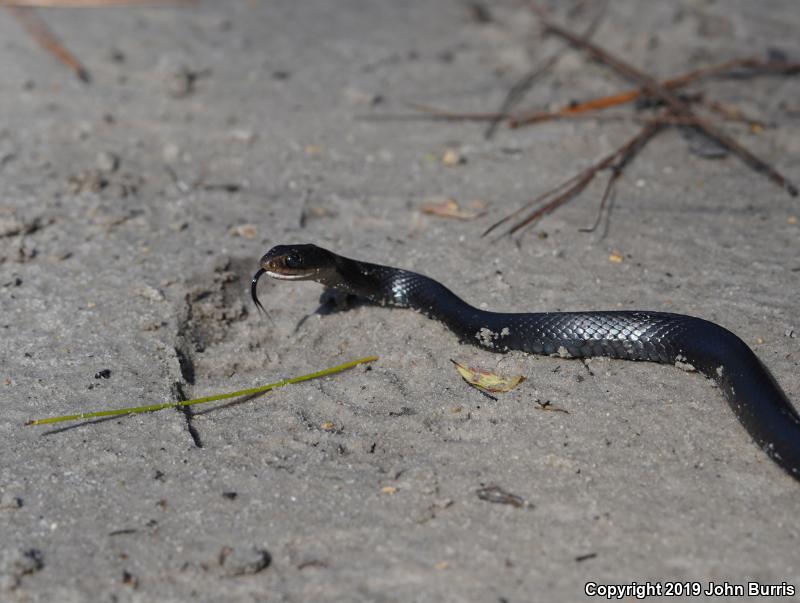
244, 560
116, 55
8, 501
361, 97
106, 161
245, 136
128, 579
10, 226
17, 563
180, 83
170, 152
246, 231
151, 293
495, 494
451, 158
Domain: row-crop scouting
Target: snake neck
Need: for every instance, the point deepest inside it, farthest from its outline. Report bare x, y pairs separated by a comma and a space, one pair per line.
405, 289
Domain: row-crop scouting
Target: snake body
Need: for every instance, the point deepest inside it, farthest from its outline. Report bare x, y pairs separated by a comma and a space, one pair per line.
688, 342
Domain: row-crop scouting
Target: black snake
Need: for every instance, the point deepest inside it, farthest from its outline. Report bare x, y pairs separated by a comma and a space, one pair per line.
685, 341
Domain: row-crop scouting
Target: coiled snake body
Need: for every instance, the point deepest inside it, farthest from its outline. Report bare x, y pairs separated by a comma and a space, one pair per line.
686, 341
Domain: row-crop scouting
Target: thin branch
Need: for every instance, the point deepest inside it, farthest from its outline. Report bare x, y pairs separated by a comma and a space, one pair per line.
516, 92
521, 87
670, 119
446, 115
607, 194
586, 177
40, 32
732, 113
534, 201
572, 187
753, 67
592, 109
675, 104
430, 113
629, 151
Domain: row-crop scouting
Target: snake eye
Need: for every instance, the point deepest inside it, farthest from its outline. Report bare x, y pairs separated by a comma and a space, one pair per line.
293, 261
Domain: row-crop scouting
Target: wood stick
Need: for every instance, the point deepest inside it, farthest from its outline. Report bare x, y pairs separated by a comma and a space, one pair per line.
758, 67
39, 31
521, 86
675, 104
573, 186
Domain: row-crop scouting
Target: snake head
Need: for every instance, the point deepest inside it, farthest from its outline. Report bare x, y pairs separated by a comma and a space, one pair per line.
296, 262
292, 263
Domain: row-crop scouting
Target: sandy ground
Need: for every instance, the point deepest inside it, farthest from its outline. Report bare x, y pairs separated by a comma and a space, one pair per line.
134, 210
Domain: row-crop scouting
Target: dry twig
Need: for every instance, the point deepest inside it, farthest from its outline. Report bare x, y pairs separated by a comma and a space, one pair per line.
752, 67
521, 87
675, 104
39, 31
24, 12
677, 112
570, 188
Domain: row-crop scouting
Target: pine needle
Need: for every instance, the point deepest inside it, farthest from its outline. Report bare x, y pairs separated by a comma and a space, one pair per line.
242, 392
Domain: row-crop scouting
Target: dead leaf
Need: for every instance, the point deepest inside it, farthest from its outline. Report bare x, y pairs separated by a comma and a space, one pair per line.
488, 381
616, 257
445, 207
389, 490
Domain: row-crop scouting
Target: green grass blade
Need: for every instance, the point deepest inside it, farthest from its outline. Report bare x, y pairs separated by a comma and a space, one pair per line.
241, 392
